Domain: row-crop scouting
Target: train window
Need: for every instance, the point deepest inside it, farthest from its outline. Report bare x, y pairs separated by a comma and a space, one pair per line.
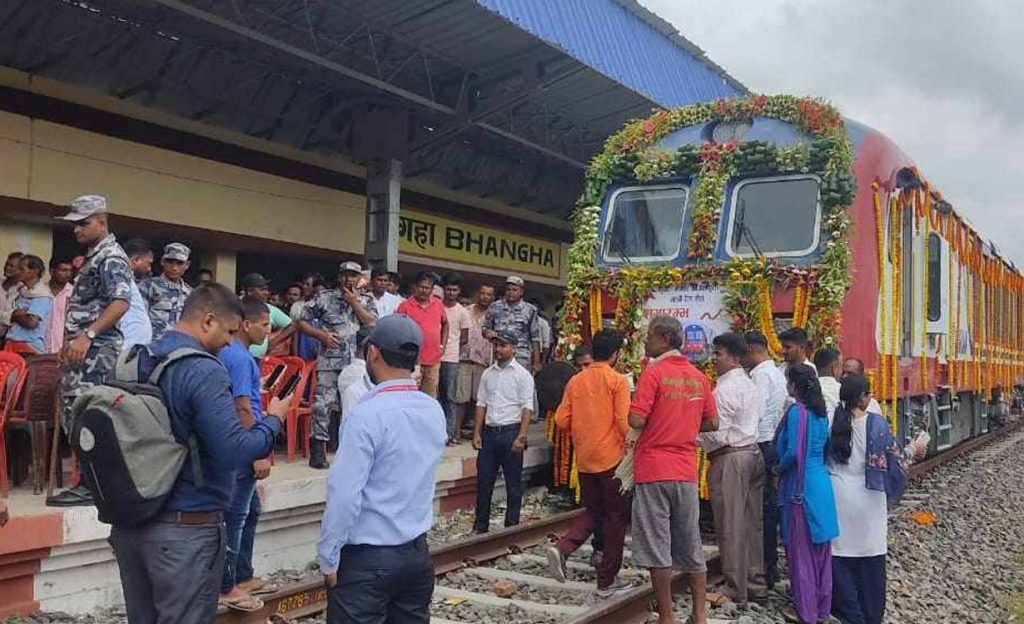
645, 224
934, 278
775, 217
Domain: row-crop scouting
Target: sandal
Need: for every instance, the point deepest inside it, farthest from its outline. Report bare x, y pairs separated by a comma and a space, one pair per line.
245, 604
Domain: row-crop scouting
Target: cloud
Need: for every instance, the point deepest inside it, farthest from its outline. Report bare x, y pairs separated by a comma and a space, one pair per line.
941, 78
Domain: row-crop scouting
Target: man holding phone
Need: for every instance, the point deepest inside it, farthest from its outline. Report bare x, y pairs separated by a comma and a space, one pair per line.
244, 508
340, 313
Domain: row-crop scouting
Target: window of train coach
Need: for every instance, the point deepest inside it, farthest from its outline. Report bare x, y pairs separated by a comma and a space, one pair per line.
934, 278
774, 217
645, 224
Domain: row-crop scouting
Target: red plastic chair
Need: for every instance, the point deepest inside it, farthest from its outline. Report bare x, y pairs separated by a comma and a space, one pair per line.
10, 392
300, 412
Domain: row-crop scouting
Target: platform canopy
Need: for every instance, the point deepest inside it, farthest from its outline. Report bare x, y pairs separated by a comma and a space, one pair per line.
505, 99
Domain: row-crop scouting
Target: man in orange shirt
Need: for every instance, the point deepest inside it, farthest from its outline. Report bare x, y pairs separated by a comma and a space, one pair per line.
595, 412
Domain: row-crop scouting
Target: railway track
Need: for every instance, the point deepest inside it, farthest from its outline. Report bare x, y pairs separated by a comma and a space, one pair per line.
505, 555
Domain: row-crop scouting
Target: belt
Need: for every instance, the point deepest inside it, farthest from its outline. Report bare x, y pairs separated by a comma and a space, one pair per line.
501, 428
725, 450
191, 517
417, 542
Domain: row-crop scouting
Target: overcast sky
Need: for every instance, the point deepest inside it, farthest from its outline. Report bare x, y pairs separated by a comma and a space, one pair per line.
943, 78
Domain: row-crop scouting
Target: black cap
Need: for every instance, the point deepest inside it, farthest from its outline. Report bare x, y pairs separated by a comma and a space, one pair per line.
254, 280
397, 333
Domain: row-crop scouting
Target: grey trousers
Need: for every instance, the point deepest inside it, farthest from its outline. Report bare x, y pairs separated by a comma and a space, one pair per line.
736, 481
170, 573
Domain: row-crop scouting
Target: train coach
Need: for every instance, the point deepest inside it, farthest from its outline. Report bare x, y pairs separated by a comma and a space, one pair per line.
768, 212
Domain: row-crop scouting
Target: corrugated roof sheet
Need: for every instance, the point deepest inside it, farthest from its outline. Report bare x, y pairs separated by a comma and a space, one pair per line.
625, 42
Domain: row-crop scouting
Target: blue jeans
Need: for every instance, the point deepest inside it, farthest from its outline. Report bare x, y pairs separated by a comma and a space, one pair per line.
446, 394
496, 453
240, 520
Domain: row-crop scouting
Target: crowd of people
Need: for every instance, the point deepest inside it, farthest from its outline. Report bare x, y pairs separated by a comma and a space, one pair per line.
797, 453
798, 450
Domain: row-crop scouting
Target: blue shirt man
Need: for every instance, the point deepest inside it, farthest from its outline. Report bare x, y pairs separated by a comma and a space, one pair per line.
32, 308
244, 373
380, 491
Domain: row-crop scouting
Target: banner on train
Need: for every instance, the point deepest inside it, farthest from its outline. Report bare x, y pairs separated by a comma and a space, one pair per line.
438, 237
701, 311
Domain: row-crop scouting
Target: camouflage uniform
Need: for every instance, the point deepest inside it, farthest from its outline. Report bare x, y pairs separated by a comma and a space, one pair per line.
520, 319
335, 317
165, 300
104, 278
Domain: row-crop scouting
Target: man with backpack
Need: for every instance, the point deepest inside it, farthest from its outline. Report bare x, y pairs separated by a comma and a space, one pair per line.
171, 563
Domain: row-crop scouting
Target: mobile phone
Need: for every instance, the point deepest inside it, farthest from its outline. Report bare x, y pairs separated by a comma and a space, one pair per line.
273, 377
289, 387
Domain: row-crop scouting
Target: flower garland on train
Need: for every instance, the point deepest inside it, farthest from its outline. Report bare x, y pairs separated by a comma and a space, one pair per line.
631, 156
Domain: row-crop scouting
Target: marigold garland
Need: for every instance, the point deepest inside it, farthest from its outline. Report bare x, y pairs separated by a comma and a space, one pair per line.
631, 155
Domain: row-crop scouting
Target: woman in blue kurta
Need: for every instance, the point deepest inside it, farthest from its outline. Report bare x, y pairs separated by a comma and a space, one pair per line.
808, 508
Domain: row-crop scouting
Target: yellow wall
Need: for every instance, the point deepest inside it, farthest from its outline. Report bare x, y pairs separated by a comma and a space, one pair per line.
54, 163
28, 238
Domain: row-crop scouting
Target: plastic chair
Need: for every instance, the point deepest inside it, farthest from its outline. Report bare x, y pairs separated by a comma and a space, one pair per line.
299, 413
10, 392
34, 409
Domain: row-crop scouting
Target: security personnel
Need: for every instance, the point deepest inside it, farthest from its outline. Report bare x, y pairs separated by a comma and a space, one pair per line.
92, 339
380, 496
340, 313
165, 295
511, 313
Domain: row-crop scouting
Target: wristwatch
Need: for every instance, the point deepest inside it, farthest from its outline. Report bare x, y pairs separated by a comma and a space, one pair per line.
90, 334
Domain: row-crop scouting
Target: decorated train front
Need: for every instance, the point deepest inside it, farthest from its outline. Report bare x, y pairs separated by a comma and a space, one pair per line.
773, 211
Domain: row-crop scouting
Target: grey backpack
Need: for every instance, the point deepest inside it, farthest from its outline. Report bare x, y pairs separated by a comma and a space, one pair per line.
129, 456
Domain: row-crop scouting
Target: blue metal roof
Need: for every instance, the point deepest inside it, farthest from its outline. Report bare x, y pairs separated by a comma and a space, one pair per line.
625, 42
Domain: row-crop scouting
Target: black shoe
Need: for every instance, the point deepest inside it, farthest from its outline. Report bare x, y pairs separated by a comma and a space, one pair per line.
318, 455
78, 496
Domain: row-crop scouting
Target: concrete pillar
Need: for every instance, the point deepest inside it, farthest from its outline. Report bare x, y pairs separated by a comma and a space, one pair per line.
383, 196
28, 238
223, 264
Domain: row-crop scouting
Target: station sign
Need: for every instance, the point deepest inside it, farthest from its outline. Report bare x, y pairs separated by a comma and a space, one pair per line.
701, 311
433, 236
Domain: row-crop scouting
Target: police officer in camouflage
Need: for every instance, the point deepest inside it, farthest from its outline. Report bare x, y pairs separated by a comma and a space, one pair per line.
100, 298
165, 295
511, 313
340, 313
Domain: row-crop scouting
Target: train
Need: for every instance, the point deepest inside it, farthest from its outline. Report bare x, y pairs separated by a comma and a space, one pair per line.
766, 212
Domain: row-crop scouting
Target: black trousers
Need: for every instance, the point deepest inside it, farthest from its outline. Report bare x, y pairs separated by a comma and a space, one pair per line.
858, 589
383, 585
770, 515
496, 454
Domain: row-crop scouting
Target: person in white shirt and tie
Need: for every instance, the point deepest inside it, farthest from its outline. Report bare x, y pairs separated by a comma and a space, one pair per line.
772, 384
736, 476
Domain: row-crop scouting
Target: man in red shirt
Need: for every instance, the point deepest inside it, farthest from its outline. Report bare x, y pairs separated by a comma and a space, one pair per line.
673, 402
428, 312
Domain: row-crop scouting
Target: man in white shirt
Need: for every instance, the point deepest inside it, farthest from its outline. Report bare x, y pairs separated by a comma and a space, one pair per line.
854, 365
736, 476
772, 384
503, 410
385, 301
827, 362
354, 380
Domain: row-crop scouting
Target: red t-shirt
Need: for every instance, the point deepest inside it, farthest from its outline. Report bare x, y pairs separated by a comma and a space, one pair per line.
675, 397
429, 319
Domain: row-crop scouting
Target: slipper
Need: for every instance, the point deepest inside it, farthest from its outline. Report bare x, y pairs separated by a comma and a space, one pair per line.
245, 604
267, 588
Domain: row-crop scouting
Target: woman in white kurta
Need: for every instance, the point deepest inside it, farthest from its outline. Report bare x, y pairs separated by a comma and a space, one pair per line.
858, 554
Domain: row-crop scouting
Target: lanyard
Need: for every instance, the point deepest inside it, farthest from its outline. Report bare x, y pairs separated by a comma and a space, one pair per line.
398, 389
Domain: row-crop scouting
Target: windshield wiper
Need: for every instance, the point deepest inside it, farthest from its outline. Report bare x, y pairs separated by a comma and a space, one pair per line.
743, 231
617, 246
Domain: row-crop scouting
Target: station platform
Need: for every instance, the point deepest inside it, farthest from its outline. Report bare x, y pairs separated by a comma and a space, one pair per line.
55, 559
